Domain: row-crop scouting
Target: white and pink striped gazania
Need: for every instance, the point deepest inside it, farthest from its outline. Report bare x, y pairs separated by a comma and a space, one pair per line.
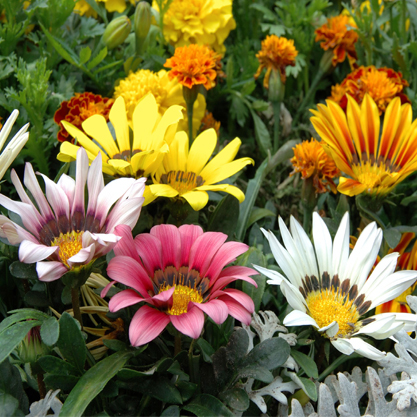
180, 274
58, 233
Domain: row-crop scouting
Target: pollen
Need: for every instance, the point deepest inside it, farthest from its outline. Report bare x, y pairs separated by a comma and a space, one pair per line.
69, 245
182, 181
327, 306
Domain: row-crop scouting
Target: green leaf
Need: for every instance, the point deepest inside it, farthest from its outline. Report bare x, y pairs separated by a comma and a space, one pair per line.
92, 383
160, 388
85, 55
115, 345
235, 398
50, 331
36, 299
13, 335
206, 349
207, 405
262, 135
9, 406
11, 383
97, 59
258, 214
410, 199
270, 353
64, 382
172, 411
309, 388
306, 363
22, 314
71, 342
53, 365
187, 389
256, 372
24, 271
225, 217
392, 236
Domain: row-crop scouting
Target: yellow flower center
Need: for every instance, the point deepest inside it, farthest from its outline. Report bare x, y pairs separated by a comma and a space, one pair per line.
182, 181
372, 174
181, 297
69, 245
327, 306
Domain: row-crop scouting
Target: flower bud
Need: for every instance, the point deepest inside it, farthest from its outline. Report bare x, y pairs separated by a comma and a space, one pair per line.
32, 348
116, 32
142, 21
276, 88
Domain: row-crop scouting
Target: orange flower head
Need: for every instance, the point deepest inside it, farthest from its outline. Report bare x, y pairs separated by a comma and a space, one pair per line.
276, 54
338, 36
78, 109
382, 84
311, 160
193, 65
208, 122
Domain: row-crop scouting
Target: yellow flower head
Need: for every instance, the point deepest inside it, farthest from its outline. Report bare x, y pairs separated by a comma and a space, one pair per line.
166, 92
338, 36
193, 65
204, 22
276, 54
382, 84
311, 160
375, 160
120, 159
84, 9
189, 174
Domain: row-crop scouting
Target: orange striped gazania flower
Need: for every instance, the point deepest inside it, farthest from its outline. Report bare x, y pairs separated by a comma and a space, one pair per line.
406, 261
338, 36
375, 161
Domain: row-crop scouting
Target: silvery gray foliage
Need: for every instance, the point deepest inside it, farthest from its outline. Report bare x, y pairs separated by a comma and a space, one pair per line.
42, 408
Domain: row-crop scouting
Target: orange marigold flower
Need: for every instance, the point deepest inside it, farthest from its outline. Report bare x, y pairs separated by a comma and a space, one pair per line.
382, 84
276, 54
311, 160
193, 65
208, 122
78, 109
338, 36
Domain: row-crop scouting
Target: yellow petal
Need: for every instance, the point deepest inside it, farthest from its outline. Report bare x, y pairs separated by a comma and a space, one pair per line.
201, 150
226, 188
350, 187
227, 170
144, 119
148, 195
67, 152
170, 117
196, 199
118, 119
177, 158
163, 190
370, 123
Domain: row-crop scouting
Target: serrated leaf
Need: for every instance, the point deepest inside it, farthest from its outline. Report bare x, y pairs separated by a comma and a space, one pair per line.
20, 315
97, 59
50, 331
207, 405
85, 55
306, 363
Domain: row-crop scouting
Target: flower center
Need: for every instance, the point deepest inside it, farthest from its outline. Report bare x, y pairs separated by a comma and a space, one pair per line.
327, 306
182, 181
371, 173
69, 245
181, 297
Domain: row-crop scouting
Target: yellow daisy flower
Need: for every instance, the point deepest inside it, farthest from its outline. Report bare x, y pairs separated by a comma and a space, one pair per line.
189, 174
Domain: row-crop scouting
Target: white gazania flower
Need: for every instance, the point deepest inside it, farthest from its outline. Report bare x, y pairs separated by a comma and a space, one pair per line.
329, 288
59, 233
15, 145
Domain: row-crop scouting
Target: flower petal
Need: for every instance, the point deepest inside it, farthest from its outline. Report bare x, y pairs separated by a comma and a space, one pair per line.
50, 271
171, 238
124, 299
216, 309
190, 323
30, 252
299, 318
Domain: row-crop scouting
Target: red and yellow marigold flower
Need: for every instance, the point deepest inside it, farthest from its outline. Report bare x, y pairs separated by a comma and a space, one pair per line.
276, 54
311, 160
376, 161
180, 275
80, 108
382, 84
193, 65
338, 35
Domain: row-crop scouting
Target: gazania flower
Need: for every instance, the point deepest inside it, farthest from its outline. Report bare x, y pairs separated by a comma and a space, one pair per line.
376, 161
150, 138
338, 35
188, 174
329, 288
84, 9
406, 261
382, 84
80, 108
276, 54
312, 161
203, 22
15, 144
179, 273
166, 92
58, 233
193, 65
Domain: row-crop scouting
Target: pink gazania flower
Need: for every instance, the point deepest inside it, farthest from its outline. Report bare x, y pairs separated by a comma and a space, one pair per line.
58, 233
179, 273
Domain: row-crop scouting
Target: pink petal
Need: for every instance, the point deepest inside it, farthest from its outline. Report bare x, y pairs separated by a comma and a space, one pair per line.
129, 272
95, 183
124, 299
126, 245
226, 254
57, 198
106, 289
222, 282
13, 232
30, 252
237, 311
50, 271
146, 325
164, 295
189, 234
216, 309
81, 171
149, 249
67, 185
83, 257
125, 212
238, 296
170, 238
204, 249
238, 270
190, 323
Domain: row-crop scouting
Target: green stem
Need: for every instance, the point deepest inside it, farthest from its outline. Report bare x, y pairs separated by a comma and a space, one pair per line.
143, 403
403, 20
341, 359
190, 109
308, 200
75, 299
276, 105
41, 385
177, 343
190, 361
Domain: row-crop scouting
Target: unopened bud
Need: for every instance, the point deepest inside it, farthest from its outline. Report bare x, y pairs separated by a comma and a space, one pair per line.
116, 32
276, 88
32, 348
143, 19
326, 62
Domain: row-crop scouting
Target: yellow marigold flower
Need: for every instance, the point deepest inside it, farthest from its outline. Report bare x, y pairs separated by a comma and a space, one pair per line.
338, 36
382, 84
276, 54
84, 9
311, 160
376, 161
166, 92
120, 159
193, 65
204, 22
189, 174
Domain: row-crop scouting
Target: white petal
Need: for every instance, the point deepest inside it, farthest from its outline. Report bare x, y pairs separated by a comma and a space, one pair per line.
95, 184
331, 330
50, 271
380, 325
30, 252
275, 276
7, 127
56, 197
67, 185
343, 345
81, 172
341, 248
293, 296
298, 318
363, 348
323, 245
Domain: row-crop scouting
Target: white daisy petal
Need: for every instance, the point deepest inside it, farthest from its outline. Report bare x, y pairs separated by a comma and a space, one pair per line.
275, 276
323, 245
379, 325
343, 345
341, 248
298, 318
363, 348
293, 296
331, 330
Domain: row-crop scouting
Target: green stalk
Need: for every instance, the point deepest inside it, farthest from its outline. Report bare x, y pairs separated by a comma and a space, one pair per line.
190, 96
308, 200
177, 343
190, 361
75, 299
276, 105
341, 359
